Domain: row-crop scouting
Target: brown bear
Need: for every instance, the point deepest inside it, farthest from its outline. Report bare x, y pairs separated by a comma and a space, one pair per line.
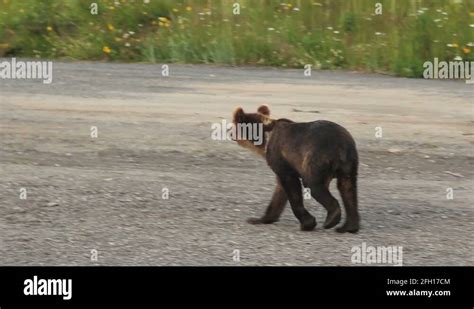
312, 153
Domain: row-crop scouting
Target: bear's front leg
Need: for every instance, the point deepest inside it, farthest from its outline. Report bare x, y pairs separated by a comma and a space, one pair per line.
274, 209
292, 185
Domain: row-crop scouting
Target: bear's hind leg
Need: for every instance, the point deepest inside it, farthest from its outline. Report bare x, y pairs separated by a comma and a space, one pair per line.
348, 188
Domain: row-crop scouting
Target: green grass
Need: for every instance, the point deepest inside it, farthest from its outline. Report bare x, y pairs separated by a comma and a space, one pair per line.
328, 34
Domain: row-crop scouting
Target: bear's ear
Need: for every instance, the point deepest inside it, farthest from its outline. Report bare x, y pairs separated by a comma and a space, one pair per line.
238, 114
263, 109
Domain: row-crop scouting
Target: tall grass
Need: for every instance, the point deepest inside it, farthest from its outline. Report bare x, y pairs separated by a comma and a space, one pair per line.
325, 33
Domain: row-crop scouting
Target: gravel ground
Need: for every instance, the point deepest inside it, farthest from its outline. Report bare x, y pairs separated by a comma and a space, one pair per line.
154, 132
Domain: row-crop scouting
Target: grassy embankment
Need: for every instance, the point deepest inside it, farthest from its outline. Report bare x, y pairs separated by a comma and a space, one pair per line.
327, 34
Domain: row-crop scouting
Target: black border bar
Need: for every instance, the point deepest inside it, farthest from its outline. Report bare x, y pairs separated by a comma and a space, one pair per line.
241, 285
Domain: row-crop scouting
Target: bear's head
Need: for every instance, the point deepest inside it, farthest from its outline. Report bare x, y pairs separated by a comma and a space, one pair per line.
251, 130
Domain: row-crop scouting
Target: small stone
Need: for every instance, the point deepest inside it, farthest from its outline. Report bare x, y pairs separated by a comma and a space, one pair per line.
51, 204
394, 150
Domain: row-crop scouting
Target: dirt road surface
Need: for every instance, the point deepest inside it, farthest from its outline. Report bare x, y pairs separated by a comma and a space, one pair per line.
154, 132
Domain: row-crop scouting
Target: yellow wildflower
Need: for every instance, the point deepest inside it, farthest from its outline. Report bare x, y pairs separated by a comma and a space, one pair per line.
466, 50
111, 27
49, 28
175, 10
189, 9
455, 45
163, 19
106, 50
